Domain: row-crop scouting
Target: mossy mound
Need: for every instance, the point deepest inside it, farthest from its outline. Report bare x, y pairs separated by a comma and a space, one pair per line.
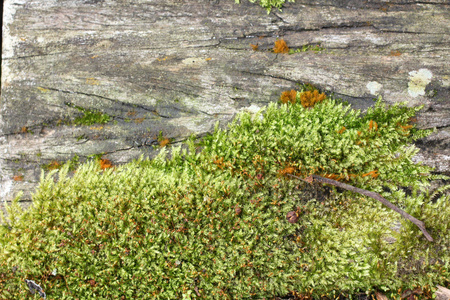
210, 221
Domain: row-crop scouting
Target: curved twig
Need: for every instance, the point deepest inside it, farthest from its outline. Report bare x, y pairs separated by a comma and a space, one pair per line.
373, 195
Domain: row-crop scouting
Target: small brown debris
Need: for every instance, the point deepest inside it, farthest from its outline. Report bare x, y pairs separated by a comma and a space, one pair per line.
380, 296
238, 210
292, 217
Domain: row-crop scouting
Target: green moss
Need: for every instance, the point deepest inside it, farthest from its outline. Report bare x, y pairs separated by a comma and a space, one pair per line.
72, 164
306, 48
90, 117
269, 4
210, 222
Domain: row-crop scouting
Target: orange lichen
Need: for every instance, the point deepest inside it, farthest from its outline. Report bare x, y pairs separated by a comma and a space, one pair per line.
373, 173
287, 170
289, 96
310, 98
338, 177
138, 120
164, 142
254, 47
406, 127
24, 129
373, 125
219, 162
54, 165
18, 178
280, 47
395, 53
105, 163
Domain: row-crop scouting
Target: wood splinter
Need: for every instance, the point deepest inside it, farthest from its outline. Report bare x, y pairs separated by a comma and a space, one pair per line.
373, 195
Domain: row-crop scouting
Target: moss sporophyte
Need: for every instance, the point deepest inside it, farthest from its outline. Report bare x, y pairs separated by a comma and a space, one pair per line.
230, 221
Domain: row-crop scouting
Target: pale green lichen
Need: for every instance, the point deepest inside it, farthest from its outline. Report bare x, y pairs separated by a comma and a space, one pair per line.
418, 81
374, 87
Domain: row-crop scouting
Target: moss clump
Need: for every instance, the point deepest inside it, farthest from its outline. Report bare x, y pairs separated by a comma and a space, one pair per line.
89, 117
269, 4
210, 222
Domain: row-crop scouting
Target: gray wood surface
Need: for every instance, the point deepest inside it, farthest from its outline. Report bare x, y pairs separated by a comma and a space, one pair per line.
179, 66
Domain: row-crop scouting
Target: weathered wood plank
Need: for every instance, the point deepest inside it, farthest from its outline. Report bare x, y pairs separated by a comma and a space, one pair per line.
179, 66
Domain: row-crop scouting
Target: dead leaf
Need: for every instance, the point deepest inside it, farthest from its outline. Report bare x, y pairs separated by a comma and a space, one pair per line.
380, 296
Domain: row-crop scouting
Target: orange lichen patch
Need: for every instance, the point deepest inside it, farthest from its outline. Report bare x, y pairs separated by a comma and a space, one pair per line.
92, 81
395, 53
289, 96
54, 165
341, 130
162, 59
280, 47
310, 98
287, 170
96, 127
332, 176
24, 129
105, 163
164, 142
43, 90
208, 59
373, 173
221, 164
18, 178
139, 120
373, 125
254, 47
131, 113
406, 127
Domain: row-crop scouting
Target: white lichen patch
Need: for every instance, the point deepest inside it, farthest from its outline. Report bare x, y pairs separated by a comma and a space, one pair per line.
374, 87
445, 81
418, 80
252, 109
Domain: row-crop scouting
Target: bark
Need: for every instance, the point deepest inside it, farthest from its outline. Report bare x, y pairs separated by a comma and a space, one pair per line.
179, 66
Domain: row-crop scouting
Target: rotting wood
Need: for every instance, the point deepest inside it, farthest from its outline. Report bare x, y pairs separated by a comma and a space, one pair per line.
376, 196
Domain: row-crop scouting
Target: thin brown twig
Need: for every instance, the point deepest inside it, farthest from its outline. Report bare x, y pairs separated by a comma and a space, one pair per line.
373, 195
